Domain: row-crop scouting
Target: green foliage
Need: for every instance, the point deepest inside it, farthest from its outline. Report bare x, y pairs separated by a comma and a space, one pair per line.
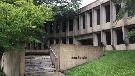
22, 21
120, 63
126, 6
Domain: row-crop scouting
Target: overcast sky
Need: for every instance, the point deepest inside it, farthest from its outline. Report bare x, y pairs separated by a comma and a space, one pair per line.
86, 2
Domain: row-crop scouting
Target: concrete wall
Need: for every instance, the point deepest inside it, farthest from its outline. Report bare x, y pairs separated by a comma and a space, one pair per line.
72, 55
13, 63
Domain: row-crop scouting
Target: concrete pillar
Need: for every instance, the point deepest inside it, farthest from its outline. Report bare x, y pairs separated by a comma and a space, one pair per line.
114, 37
80, 23
103, 15
95, 39
94, 17
112, 12
67, 40
104, 38
87, 22
75, 25
125, 35
54, 41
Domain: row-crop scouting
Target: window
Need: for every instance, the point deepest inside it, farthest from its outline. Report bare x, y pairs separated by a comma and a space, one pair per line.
70, 40
64, 25
90, 14
98, 16
107, 9
78, 23
70, 25
57, 27
83, 21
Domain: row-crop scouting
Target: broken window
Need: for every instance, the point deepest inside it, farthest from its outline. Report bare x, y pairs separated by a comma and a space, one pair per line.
108, 37
107, 9
70, 40
83, 21
98, 16
70, 25
90, 14
119, 36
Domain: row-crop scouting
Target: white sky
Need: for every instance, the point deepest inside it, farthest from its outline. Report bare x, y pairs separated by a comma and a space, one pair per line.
86, 2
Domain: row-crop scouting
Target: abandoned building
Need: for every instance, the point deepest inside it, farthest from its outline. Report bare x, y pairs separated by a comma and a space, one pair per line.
94, 25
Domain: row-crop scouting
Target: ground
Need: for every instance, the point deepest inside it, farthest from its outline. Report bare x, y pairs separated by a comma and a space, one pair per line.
116, 63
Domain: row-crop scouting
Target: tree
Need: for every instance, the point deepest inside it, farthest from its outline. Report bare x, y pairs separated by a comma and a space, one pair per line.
21, 21
127, 9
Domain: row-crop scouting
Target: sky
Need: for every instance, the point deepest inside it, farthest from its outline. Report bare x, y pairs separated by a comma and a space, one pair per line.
86, 2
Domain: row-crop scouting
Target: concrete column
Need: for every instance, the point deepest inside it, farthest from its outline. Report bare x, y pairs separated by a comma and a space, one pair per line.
104, 38
94, 17
75, 26
80, 23
95, 40
114, 37
112, 12
54, 40
87, 22
103, 15
125, 35
67, 40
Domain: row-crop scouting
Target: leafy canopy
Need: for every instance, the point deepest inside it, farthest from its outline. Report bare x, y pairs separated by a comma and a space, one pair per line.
21, 21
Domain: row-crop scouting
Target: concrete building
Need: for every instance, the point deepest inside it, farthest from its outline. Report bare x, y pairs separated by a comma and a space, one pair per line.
94, 25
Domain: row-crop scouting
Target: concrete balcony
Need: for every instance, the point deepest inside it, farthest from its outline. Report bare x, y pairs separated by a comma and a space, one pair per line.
106, 26
97, 28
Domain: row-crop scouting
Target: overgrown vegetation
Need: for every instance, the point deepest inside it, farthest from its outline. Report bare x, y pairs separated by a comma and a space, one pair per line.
116, 63
21, 21
126, 6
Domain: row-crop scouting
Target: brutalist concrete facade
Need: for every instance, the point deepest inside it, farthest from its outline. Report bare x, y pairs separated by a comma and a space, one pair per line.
95, 25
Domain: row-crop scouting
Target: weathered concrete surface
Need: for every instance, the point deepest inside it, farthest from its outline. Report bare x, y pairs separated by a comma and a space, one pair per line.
72, 55
13, 63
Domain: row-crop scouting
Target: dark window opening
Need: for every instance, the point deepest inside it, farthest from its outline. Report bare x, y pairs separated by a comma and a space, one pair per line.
70, 25
108, 37
51, 41
51, 27
70, 40
46, 27
99, 39
57, 41
64, 40
64, 25
98, 16
90, 19
39, 46
78, 23
83, 21
119, 36
57, 27
86, 42
28, 46
118, 7
131, 39
107, 9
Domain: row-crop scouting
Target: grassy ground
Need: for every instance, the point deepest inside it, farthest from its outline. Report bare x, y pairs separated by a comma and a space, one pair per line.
120, 63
